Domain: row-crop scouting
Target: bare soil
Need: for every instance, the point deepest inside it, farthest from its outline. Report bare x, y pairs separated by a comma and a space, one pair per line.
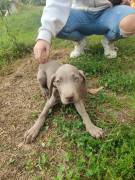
20, 99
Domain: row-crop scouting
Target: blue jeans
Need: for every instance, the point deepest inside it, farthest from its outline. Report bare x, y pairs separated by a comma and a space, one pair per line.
84, 23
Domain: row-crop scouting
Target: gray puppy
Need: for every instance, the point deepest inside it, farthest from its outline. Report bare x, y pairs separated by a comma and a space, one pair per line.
65, 83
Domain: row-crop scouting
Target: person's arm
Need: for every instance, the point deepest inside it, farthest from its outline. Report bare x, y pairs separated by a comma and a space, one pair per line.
54, 18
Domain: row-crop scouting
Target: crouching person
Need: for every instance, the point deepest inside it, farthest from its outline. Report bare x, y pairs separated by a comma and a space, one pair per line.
77, 19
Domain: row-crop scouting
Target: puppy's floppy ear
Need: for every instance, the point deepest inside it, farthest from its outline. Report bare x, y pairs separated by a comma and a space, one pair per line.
83, 86
51, 84
81, 73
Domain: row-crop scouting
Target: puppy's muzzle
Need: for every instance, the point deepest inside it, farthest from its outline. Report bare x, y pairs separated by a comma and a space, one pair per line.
70, 99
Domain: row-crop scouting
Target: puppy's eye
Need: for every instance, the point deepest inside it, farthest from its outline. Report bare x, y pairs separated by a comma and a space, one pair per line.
76, 79
58, 81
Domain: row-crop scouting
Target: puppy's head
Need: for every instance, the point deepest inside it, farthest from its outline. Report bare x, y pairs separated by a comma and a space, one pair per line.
70, 83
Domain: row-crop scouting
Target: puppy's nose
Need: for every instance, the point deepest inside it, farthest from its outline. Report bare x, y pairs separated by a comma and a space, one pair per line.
70, 98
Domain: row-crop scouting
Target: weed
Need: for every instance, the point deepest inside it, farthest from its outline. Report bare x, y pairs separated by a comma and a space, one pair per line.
18, 33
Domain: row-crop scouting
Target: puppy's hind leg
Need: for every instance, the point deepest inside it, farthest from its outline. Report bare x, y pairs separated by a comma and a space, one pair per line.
42, 79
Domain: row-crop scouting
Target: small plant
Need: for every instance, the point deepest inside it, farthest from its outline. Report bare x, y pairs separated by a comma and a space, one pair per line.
42, 161
17, 36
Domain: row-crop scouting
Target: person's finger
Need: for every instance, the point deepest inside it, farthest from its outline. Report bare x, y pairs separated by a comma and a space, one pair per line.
43, 58
40, 55
37, 53
47, 52
42, 61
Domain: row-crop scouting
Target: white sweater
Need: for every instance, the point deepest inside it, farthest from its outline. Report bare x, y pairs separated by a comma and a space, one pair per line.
56, 13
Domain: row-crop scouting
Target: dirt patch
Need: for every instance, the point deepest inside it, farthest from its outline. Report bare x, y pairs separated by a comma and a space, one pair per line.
20, 100
62, 55
17, 91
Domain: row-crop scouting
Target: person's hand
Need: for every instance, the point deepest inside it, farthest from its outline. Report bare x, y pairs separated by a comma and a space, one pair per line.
42, 51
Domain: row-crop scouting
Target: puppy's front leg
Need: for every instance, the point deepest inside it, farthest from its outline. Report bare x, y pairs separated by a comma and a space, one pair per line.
31, 134
90, 127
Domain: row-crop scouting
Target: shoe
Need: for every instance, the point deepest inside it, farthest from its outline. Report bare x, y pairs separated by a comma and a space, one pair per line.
110, 51
78, 48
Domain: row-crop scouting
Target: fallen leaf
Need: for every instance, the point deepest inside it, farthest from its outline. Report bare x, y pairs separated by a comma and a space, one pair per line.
95, 90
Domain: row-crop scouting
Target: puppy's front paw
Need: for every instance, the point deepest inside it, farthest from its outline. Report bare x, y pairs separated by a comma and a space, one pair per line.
30, 135
95, 131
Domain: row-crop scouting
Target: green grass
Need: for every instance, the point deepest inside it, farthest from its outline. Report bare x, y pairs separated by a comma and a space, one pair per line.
71, 153
67, 151
118, 74
76, 154
97, 159
18, 33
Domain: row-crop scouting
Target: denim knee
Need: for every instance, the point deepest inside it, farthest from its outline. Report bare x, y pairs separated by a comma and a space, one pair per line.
71, 29
74, 36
